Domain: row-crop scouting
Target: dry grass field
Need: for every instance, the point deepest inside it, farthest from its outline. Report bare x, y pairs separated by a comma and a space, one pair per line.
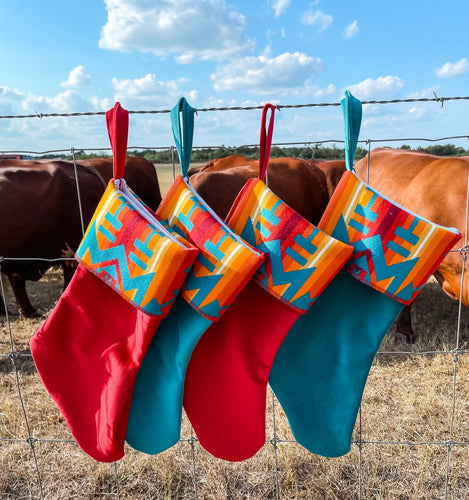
406, 417
166, 174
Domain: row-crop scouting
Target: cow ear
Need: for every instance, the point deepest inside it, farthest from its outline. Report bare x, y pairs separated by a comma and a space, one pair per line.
352, 112
182, 123
265, 141
117, 121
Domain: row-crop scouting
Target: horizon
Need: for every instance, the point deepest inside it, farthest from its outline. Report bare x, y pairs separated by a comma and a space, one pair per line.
221, 54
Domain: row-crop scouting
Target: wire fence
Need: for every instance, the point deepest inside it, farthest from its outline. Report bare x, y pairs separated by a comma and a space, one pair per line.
436, 99
16, 357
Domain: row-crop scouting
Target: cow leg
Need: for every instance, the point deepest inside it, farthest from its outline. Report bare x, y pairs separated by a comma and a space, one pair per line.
404, 330
68, 270
3, 310
2, 306
68, 266
25, 307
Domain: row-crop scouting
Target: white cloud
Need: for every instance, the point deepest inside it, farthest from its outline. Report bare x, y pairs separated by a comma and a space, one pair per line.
384, 87
138, 93
424, 93
10, 100
49, 133
317, 18
89, 132
16, 102
417, 113
76, 78
351, 30
205, 29
280, 6
320, 92
263, 75
452, 69
68, 101
150, 92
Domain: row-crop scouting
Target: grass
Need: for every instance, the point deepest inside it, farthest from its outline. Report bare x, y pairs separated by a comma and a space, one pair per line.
408, 398
406, 415
166, 174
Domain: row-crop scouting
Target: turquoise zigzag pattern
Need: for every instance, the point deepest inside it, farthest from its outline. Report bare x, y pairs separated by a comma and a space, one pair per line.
113, 261
295, 279
371, 256
382, 271
204, 285
367, 212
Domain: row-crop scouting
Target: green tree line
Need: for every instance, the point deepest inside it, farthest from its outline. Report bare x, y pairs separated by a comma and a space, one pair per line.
315, 152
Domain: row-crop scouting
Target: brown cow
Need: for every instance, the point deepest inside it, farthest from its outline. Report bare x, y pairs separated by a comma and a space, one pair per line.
299, 183
140, 175
42, 196
334, 170
39, 215
434, 188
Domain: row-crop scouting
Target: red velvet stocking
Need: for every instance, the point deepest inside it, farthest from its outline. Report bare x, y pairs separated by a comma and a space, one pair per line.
89, 350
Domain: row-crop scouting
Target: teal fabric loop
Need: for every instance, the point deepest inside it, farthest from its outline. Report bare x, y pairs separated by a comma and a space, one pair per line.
352, 112
182, 123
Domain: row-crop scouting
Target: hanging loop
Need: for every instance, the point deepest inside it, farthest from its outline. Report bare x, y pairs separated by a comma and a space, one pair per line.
182, 123
352, 112
265, 141
117, 121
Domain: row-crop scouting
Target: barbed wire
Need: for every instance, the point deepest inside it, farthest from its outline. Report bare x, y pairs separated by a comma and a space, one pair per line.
437, 99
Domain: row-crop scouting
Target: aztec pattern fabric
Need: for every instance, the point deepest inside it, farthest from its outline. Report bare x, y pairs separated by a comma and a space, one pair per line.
223, 267
90, 348
224, 264
123, 249
301, 260
333, 345
226, 381
395, 251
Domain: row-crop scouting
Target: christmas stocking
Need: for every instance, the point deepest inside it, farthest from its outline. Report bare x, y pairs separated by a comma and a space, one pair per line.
225, 388
89, 350
223, 267
320, 370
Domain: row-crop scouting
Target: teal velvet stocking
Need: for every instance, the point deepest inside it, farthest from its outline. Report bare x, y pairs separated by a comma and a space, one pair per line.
321, 368
155, 413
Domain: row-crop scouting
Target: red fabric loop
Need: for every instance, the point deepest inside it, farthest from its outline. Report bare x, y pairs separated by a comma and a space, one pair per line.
265, 141
117, 121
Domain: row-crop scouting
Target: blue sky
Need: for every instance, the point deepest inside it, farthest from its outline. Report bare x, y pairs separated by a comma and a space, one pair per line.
83, 55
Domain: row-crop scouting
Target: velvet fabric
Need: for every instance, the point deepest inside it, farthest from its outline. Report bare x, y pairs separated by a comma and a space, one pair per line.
224, 266
226, 380
90, 348
320, 371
